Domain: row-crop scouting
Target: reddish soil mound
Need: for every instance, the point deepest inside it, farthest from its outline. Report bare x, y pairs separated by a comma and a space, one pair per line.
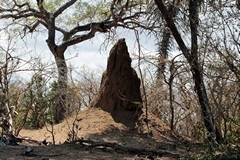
96, 124
119, 92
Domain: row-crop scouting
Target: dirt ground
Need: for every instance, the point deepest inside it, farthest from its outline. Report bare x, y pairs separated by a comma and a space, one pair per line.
94, 125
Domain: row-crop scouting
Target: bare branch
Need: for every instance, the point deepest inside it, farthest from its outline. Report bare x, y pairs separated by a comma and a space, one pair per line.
173, 27
40, 6
77, 39
63, 8
18, 11
31, 28
21, 5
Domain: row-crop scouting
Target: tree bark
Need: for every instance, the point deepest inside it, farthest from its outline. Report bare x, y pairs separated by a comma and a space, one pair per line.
197, 73
192, 58
61, 95
171, 104
208, 118
58, 52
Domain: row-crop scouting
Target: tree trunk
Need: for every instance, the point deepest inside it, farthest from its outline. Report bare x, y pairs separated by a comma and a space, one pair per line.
208, 119
197, 72
7, 123
171, 104
61, 93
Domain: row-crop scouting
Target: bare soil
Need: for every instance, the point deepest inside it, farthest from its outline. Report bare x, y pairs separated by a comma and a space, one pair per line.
96, 125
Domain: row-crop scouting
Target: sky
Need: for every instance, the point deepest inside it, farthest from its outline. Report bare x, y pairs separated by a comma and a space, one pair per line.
90, 53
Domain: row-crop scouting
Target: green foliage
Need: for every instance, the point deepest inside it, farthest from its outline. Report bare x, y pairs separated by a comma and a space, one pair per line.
51, 102
81, 12
36, 115
85, 12
52, 5
37, 104
200, 132
234, 135
212, 151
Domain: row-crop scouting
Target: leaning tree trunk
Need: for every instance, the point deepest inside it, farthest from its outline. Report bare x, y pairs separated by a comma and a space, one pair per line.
197, 72
208, 119
61, 93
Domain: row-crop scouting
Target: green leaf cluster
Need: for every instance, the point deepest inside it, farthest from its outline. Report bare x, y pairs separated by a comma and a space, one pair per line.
85, 12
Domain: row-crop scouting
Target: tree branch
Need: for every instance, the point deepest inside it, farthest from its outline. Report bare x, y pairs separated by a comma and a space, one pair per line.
21, 5
193, 18
77, 39
31, 28
18, 11
51, 34
40, 6
63, 8
173, 27
93, 27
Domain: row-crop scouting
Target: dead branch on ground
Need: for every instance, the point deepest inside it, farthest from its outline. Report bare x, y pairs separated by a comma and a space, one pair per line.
118, 148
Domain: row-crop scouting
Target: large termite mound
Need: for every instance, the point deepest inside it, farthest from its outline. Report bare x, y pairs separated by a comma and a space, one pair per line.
119, 92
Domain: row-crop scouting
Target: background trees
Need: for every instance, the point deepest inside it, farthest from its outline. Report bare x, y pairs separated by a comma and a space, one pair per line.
9, 94
192, 57
87, 19
193, 53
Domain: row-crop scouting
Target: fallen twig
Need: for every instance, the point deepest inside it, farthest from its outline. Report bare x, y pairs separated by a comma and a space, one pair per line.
117, 147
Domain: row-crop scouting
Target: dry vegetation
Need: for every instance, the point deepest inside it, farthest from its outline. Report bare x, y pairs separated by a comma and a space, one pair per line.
190, 98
